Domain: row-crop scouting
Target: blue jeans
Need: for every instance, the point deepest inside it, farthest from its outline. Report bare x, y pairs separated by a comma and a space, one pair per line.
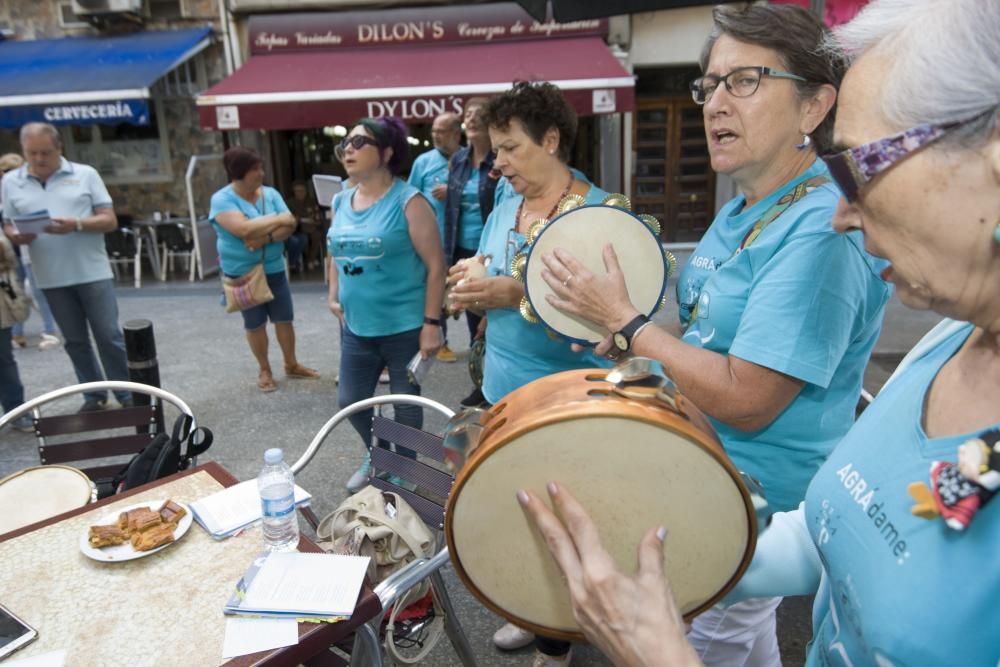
48, 324
11, 389
295, 246
362, 360
94, 304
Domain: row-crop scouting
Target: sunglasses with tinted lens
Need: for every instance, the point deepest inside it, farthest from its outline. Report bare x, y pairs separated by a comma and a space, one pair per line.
854, 168
357, 142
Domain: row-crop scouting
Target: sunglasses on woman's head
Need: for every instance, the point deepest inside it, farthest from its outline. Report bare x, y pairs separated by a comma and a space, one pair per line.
357, 142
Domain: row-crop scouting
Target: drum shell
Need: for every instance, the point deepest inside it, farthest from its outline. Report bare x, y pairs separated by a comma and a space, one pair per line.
580, 395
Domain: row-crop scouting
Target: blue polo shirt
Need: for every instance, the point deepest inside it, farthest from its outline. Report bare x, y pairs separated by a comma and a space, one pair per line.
73, 191
429, 170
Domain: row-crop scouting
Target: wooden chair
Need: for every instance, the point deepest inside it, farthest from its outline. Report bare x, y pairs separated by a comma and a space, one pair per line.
425, 487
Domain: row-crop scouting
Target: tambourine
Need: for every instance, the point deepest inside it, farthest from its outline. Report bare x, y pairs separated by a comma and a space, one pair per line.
634, 452
42, 492
584, 231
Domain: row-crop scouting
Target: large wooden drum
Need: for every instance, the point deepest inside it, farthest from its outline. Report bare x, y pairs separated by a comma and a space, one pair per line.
635, 453
42, 492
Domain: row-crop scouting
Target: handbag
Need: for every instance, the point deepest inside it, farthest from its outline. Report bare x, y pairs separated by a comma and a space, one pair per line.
384, 527
250, 289
246, 291
15, 305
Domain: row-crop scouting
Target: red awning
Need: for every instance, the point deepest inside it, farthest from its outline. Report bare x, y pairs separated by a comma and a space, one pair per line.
303, 90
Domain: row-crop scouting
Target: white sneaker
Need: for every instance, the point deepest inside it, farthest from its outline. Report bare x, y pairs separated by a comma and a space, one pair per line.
359, 479
49, 342
383, 378
511, 637
542, 660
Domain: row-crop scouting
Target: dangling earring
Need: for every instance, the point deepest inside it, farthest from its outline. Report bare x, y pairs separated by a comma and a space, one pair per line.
805, 142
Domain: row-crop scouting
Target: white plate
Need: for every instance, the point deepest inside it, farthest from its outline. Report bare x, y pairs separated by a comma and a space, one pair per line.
125, 551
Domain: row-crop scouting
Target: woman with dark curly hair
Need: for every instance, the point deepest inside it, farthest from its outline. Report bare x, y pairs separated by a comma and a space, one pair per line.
252, 222
532, 128
386, 274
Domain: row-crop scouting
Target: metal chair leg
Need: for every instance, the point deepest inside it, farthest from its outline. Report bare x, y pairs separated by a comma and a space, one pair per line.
367, 650
451, 625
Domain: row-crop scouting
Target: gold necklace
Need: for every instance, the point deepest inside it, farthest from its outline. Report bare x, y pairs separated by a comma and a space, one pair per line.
555, 207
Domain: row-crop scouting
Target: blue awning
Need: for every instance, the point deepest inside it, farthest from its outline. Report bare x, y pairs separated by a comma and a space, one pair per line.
89, 80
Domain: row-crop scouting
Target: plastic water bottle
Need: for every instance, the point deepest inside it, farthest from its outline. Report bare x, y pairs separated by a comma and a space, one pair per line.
277, 503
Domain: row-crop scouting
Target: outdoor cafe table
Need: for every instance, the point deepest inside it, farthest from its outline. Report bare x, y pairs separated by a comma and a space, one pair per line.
164, 609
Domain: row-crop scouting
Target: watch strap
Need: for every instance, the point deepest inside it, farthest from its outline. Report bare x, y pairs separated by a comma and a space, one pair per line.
629, 330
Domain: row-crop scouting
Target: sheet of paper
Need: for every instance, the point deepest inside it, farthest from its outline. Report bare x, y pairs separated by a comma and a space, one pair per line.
49, 659
307, 582
249, 635
235, 507
32, 223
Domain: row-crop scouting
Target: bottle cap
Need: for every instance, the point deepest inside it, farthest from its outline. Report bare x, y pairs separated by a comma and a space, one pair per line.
273, 456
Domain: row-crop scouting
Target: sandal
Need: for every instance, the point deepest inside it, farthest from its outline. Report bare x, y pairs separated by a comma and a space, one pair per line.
265, 382
301, 372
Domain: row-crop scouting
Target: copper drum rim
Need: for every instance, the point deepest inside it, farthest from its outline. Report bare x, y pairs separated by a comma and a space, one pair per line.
583, 402
584, 231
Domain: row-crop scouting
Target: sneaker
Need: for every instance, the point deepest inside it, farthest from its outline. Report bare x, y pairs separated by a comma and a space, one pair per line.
359, 479
126, 402
446, 355
542, 660
49, 342
93, 405
24, 423
511, 637
384, 377
474, 400
20, 341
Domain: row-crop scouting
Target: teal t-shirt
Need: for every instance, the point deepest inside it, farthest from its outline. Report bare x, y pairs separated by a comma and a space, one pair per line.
518, 352
802, 300
73, 191
234, 258
470, 221
899, 589
430, 170
382, 279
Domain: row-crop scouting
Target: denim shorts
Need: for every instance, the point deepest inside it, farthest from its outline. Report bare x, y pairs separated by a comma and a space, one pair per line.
278, 309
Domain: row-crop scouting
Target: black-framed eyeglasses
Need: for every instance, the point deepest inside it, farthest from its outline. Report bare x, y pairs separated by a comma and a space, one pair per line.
357, 142
741, 82
854, 168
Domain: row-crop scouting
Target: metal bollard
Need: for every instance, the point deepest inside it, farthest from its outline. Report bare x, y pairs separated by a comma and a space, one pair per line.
140, 348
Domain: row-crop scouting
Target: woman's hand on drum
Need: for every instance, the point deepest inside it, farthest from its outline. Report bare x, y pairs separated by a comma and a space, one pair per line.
481, 294
632, 619
600, 299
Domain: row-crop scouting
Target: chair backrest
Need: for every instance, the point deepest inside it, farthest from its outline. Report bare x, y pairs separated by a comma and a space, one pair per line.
435, 482
175, 236
120, 243
108, 439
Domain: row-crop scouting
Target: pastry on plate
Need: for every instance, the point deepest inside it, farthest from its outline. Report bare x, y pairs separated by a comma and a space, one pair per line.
106, 536
171, 512
141, 519
155, 536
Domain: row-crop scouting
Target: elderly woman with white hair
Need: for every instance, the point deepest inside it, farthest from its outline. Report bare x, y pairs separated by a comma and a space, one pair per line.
896, 536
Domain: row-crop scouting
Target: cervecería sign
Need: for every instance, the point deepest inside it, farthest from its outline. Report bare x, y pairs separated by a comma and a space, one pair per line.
279, 33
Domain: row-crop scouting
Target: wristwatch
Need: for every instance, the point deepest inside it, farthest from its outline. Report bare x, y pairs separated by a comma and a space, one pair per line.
623, 338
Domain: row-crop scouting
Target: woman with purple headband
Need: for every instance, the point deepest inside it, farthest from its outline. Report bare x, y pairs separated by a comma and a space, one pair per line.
386, 274
897, 536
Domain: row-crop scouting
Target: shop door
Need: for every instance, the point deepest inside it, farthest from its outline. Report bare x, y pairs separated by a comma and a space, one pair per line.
673, 178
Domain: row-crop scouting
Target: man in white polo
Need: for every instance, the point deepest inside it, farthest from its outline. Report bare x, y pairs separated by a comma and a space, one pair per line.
70, 262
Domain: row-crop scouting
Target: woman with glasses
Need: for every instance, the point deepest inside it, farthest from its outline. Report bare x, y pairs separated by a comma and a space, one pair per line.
778, 313
252, 221
386, 274
897, 531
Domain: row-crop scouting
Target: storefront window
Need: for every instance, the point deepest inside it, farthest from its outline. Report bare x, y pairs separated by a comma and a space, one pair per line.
123, 153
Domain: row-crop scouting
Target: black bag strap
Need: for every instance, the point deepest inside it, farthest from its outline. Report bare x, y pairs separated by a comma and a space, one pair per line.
191, 443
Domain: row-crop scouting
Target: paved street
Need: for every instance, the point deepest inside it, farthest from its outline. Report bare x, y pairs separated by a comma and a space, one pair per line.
203, 358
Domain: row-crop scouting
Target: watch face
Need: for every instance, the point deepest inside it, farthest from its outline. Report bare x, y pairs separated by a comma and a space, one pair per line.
621, 342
